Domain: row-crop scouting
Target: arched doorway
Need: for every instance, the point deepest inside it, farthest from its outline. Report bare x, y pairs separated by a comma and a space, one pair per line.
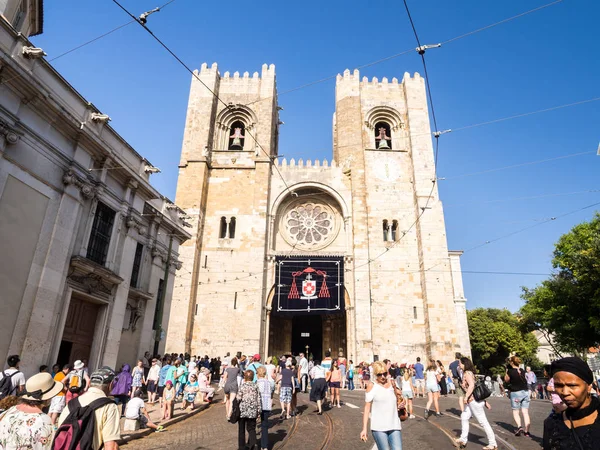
291, 334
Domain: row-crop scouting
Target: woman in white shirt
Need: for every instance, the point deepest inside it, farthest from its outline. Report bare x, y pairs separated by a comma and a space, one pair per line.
433, 389
318, 388
380, 403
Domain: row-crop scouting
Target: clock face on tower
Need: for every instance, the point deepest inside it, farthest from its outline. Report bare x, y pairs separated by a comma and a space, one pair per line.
387, 169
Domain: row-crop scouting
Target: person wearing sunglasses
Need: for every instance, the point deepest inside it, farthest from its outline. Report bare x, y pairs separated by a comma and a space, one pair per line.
381, 405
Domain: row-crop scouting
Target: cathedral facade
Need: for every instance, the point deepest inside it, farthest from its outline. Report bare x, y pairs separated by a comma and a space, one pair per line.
348, 255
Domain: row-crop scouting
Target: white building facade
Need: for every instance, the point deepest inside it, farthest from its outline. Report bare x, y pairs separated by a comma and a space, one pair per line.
83, 234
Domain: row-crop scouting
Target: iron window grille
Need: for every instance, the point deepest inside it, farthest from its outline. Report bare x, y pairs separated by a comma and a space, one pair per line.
137, 263
101, 232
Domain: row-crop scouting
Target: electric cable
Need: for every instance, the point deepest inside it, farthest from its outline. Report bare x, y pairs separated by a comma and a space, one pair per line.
91, 41
396, 55
195, 75
532, 197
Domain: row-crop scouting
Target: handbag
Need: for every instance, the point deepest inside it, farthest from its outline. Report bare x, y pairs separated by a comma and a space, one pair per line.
235, 411
402, 412
481, 391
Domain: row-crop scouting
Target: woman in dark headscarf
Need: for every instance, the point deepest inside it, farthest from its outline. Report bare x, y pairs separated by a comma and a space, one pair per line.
577, 428
121, 387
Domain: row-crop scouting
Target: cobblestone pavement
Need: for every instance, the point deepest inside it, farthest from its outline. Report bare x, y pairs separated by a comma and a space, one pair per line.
339, 429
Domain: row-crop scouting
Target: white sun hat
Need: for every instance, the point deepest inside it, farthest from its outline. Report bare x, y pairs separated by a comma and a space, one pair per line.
41, 387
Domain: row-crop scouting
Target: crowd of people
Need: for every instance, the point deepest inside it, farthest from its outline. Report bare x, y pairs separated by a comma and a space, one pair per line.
53, 408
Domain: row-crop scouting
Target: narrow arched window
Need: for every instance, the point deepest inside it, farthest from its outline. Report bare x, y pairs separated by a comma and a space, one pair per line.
383, 135
386, 229
394, 230
232, 228
223, 228
237, 136
415, 316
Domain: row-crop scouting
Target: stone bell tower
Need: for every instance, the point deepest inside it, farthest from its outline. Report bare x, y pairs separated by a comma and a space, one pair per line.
403, 280
230, 138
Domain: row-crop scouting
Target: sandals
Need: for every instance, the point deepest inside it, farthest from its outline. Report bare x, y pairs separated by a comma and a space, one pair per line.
489, 447
519, 431
458, 443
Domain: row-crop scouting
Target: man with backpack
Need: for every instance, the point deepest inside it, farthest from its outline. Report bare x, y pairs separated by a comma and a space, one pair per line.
77, 381
91, 420
12, 380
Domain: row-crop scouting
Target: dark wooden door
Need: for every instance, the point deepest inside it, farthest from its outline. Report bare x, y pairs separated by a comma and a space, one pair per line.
79, 328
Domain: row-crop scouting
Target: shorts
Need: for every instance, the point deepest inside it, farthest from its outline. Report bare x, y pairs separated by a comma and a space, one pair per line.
532, 386
143, 421
160, 391
190, 397
334, 384
230, 388
285, 395
420, 383
459, 389
407, 394
151, 386
57, 404
520, 400
431, 388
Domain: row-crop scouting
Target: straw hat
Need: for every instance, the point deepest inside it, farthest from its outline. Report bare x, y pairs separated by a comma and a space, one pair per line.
42, 387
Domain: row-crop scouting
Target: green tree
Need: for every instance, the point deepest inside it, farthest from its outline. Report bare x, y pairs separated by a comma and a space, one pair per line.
567, 305
496, 334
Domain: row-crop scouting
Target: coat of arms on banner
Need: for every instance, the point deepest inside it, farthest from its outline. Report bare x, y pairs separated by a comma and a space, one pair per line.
309, 286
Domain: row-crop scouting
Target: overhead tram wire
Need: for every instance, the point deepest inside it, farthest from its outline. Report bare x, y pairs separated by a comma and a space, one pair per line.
406, 52
503, 119
540, 221
514, 166
474, 272
437, 132
483, 244
184, 65
91, 41
421, 50
531, 197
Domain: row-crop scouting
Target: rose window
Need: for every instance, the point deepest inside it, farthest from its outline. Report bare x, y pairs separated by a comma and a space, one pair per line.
310, 225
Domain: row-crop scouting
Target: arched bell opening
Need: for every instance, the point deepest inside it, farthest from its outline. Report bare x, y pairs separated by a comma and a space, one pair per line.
237, 135
383, 135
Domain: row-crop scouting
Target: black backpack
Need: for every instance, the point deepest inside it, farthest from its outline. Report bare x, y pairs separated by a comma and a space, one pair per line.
6, 387
77, 431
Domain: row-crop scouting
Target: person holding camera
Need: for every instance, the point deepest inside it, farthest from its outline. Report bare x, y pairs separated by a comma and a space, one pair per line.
519, 395
473, 408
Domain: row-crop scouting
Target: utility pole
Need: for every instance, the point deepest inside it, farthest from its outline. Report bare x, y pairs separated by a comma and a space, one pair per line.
161, 300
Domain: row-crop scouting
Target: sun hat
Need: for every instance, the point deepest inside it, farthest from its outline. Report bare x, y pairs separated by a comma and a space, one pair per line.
104, 375
78, 365
42, 387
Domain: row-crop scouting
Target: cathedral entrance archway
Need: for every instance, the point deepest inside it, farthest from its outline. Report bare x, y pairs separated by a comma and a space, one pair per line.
321, 333
308, 307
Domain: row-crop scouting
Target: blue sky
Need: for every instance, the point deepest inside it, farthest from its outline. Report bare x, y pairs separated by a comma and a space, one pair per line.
541, 60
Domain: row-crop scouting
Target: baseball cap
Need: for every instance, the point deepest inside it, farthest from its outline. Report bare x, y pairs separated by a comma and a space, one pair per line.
256, 357
104, 375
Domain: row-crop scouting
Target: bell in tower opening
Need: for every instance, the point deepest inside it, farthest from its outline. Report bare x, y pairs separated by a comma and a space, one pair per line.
236, 139
382, 138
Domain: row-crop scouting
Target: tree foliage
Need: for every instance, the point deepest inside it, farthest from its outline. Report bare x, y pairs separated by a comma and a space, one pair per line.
567, 305
496, 334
